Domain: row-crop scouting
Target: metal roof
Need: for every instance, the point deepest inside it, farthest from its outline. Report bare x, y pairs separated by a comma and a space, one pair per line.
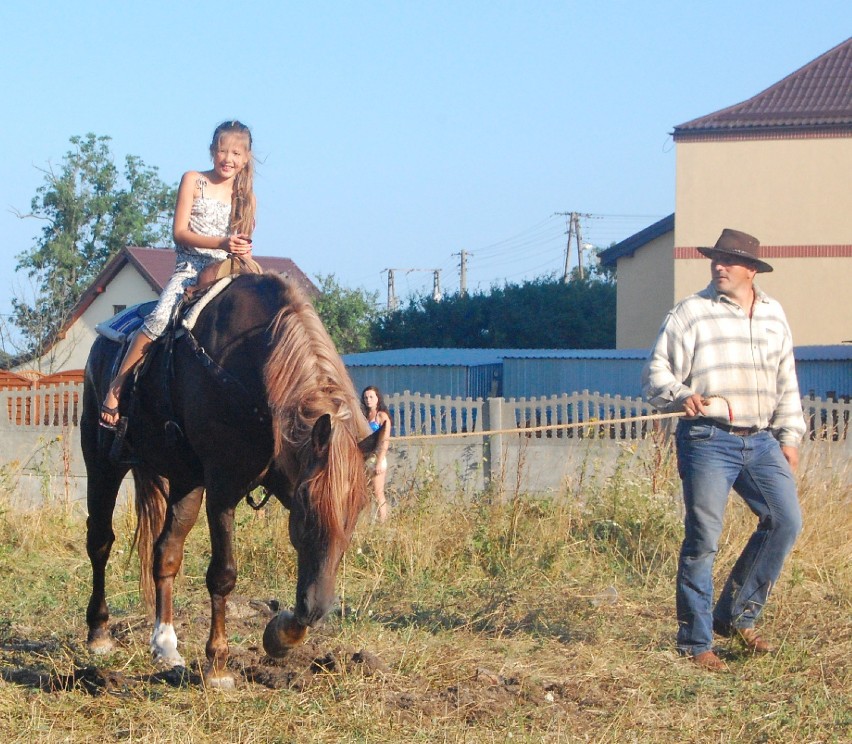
443, 357
446, 357
577, 354
516, 373
835, 353
423, 357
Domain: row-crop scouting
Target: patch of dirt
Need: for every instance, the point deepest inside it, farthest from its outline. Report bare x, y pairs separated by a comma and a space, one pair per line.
319, 660
304, 664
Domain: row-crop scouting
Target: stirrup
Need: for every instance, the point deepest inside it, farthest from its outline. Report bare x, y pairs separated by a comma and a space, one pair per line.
117, 449
105, 409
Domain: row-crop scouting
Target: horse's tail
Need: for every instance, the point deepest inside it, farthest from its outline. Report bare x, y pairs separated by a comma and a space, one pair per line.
151, 494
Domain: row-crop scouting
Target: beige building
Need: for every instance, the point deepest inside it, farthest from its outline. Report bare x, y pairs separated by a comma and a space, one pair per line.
777, 166
132, 276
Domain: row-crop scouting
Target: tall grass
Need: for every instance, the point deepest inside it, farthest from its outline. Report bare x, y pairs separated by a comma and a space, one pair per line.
534, 619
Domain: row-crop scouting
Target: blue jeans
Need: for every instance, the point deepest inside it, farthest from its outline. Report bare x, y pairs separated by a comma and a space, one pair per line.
711, 461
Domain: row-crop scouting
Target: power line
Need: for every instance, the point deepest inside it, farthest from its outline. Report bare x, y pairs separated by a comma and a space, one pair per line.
517, 255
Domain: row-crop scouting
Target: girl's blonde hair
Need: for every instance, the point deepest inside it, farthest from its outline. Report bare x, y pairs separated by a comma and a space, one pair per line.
242, 197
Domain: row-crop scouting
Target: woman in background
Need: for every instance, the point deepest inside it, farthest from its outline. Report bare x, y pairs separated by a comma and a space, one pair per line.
377, 415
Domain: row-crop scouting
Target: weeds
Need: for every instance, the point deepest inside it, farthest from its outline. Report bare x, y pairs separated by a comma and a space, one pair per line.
530, 619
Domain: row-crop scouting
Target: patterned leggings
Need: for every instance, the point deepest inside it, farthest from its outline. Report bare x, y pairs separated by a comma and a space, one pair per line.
186, 274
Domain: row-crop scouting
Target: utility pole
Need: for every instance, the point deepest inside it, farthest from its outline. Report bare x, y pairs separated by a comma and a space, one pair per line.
393, 300
576, 219
463, 255
436, 285
573, 220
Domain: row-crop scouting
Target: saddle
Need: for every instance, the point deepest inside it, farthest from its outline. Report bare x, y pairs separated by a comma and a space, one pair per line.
214, 272
121, 327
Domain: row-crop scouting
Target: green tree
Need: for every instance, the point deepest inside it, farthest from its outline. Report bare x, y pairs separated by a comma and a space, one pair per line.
348, 314
89, 214
542, 314
598, 271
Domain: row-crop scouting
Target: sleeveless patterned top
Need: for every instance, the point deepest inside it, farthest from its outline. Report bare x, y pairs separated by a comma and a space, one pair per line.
209, 217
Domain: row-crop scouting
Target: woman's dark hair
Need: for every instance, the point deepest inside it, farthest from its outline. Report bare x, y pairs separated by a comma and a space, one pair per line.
380, 406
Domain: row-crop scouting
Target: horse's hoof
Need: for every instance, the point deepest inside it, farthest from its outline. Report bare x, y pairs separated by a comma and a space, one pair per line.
164, 662
219, 680
282, 633
100, 643
164, 651
101, 648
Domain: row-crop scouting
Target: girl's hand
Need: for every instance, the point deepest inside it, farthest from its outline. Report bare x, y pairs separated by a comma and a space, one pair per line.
239, 245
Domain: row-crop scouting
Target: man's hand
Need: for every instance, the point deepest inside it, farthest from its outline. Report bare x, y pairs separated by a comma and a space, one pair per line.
791, 454
694, 406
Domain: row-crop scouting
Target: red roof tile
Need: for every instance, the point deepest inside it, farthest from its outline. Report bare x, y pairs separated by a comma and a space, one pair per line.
157, 264
815, 99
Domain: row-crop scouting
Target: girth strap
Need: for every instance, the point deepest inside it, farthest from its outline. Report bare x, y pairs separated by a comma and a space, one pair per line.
231, 385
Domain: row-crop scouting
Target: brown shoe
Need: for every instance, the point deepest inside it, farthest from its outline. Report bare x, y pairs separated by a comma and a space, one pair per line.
709, 661
750, 638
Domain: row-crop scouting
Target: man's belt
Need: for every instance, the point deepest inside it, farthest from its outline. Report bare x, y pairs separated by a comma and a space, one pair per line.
737, 431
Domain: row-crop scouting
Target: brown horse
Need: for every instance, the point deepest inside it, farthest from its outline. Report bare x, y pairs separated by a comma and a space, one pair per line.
255, 395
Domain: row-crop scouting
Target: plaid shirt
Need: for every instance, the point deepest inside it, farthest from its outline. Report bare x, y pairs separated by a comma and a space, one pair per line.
709, 345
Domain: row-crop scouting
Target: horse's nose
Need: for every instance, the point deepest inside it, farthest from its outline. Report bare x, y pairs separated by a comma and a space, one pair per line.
313, 606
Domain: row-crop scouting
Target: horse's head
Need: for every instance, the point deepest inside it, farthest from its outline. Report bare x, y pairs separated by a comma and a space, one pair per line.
317, 427
327, 500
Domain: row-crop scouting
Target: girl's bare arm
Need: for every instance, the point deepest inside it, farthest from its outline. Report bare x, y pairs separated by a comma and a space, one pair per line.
187, 192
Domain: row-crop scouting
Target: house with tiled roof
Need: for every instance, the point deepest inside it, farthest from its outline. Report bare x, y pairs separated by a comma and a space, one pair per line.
777, 166
132, 276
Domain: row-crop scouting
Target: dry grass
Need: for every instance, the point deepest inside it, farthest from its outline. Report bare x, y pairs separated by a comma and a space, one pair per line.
534, 620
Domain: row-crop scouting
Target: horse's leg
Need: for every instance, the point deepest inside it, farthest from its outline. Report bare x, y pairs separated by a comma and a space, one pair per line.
221, 579
102, 490
168, 556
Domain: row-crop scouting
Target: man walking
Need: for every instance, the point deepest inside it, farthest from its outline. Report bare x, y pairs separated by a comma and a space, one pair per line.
732, 342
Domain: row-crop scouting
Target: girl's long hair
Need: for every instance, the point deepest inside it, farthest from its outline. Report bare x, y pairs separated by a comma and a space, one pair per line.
242, 197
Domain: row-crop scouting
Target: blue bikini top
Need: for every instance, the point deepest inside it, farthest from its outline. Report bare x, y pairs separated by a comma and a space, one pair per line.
375, 425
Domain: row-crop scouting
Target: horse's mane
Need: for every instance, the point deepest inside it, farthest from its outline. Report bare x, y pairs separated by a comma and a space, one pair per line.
305, 378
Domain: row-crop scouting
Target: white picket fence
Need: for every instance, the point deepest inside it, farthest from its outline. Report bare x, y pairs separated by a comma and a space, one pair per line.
603, 416
599, 432
587, 433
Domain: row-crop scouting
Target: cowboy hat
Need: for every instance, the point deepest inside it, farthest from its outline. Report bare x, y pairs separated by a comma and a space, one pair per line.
740, 244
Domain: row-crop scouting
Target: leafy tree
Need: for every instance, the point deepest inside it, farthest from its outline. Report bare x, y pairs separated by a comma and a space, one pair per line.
348, 314
540, 314
598, 271
90, 213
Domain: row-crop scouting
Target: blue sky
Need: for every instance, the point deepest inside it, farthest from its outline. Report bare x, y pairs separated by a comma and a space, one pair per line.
395, 134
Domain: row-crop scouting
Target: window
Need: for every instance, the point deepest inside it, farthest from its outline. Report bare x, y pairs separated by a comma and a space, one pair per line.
116, 309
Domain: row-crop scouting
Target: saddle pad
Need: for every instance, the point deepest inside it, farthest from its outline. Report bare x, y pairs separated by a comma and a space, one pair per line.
122, 324
191, 315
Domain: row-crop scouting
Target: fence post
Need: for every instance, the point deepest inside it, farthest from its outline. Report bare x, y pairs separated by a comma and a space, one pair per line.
493, 445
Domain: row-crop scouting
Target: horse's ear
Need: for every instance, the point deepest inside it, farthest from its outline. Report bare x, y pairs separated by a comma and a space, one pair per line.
321, 434
369, 445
